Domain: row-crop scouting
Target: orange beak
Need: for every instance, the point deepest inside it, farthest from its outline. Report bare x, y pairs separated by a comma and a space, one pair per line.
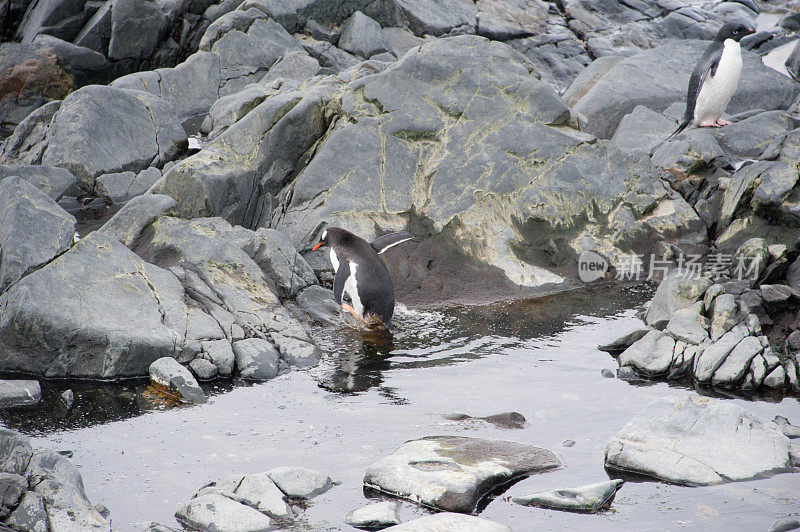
317, 246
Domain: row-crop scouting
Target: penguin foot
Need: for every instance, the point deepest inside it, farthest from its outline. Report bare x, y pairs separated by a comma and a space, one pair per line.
722, 122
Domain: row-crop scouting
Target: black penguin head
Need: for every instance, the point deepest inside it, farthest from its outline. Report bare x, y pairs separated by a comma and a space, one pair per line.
735, 31
333, 236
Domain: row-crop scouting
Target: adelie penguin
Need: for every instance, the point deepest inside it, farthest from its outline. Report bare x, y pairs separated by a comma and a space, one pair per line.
715, 78
361, 274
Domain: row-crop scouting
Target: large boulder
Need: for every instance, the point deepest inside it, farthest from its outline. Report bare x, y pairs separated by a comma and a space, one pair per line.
454, 473
698, 441
33, 230
51, 180
657, 78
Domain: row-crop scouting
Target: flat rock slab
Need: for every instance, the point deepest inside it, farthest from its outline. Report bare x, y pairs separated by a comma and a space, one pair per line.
221, 514
374, 516
454, 473
19, 393
449, 522
591, 498
299, 482
698, 441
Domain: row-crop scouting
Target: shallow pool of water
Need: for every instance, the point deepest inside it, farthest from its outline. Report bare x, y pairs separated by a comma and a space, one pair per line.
538, 358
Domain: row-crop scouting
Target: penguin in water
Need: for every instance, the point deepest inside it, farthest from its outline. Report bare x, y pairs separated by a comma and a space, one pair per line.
715, 78
361, 274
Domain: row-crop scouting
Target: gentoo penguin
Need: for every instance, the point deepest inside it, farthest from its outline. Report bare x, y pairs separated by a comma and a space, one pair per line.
361, 273
714, 78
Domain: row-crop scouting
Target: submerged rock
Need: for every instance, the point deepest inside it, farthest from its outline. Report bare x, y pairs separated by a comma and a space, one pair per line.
590, 498
19, 393
446, 522
506, 420
374, 516
698, 441
453, 473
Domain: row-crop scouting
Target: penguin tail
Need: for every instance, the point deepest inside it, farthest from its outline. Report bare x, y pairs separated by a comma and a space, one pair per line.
681, 127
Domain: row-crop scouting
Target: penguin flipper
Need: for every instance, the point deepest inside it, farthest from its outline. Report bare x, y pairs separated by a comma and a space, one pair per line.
382, 243
339, 279
708, 63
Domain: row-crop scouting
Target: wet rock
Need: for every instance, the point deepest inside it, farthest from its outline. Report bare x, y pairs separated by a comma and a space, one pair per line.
651, 355
121, 186
698, 441
146, 133
169, 372
12, 488
374, 516
679, 289
789, 430
630, 82
362, 36
203, 369
318, 302
219, 513
19, 393
30, 515
624, 341
129, 222
68, 398
506, 420
49, 179
782, 525
449, 521
15, 452
257, 491
157, 527
689, 324
607, 373
256, 359
299, 482
136, 315
453, 473
590, 498
33, 230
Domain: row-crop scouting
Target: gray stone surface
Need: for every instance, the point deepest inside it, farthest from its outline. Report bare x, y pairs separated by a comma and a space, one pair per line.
299, 482
712, 357
51, 180
137, 27
679, 289
642, 129
789, 430
203, 369
446, 522
122, 186
698, 441
12, 489
651, 355
129, 222
169, 372
30, 515
374, 516
146, 133
625, 341
221, 354
689, 324
362, 36
27, 143
19, 393
257, 491
216, 512
277, 257
454, 473
437, 17
256, 359
590, 498
15, 452
33, 230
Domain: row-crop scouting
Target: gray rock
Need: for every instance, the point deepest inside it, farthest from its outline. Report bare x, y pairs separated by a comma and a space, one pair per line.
256, 359
15, 452
789, 430
157, 527
624, 341
751, 259
33, 230
204, 369
437, 17
454, 473
679, 289
319, 304
446, 521
775, 295
231, 108
782, 525
137, 27
277, 257
725, 314
221, 354
129, 222
642, 129
216, 512
320, 32
101, 312
299, 482
97, 31
698, 441
651, 355
169, 372
632, 82
715, 354
19, 393
27, 143
62, 18
752, 136
401, 40
12, 488
122, 186
257, 491
775, 378
49, 179
374, 516
736, 364
502, 21
30, 515
146, 133
557, 58
692, 151
68, 398
328, 55
294, 66
590, 498
689, 325
362, 36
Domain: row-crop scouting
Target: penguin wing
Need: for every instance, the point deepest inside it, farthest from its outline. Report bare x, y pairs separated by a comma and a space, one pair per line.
382, 243
708, 63
339, 279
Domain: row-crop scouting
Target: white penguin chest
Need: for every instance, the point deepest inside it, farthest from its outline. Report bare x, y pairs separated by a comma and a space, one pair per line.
717, 90
334, 261
351, 289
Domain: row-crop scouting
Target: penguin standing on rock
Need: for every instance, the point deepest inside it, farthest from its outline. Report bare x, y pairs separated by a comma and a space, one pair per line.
715, 78
361, 273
